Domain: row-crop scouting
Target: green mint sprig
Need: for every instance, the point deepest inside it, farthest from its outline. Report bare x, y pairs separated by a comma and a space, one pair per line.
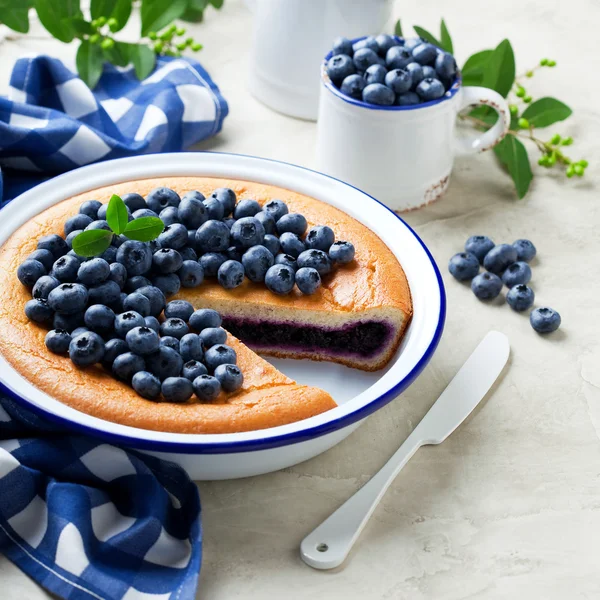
95, 241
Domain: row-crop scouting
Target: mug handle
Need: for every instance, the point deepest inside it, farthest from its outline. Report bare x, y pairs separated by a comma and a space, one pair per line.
480, 96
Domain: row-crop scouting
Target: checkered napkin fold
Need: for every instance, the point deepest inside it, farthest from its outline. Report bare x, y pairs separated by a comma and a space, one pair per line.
51, 122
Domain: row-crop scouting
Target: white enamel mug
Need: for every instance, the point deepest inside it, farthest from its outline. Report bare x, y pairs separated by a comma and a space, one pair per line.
400, 155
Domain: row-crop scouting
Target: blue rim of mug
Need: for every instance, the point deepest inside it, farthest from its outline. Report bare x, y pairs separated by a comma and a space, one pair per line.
329, 85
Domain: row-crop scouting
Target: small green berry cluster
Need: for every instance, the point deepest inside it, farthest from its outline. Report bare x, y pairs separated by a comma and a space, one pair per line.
102, 28
166, 44
520, 91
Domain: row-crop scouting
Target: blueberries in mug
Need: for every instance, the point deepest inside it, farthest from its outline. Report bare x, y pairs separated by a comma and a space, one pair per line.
375, 74
364, 58
377, 93
408, 99
353, 86
430, 89
398, 80
342, 45
397, 57
339, 67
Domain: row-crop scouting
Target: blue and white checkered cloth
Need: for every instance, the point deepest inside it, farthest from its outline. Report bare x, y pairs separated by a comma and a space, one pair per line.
51, 122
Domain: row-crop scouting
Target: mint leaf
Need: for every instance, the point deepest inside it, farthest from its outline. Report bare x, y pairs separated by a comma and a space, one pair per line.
473, 70
15, 17
89, 62
56, 17
398, 29
513, 155
445, 39
157, 14
423, 33
118, 9
143, 59
144, 229
499, 71
92, 242
117, 216
546, 111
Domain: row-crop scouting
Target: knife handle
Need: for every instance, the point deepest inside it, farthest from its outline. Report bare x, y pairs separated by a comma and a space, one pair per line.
329, 544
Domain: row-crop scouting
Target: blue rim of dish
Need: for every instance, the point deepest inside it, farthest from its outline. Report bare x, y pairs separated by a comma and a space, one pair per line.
284, 439
327, 83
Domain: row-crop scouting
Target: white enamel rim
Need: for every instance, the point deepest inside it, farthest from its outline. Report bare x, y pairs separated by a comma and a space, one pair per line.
423, 275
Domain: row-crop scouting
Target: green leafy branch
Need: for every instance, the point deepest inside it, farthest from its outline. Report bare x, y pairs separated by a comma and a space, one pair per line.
65, 21
495, 69
94, 242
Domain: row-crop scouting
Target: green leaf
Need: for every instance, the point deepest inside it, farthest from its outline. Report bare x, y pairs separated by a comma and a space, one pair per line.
82, 26
546, 111
499, 72
89, 62
143, 59
118, 54
217, 3
423, 33
56, 17
513, 156
144, 229
15, 17
473, 70
445, 39
117, 216
398, 29
92, 242
118, 9
157, 14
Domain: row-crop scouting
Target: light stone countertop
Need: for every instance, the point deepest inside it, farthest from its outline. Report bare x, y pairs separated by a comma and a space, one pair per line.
509, 505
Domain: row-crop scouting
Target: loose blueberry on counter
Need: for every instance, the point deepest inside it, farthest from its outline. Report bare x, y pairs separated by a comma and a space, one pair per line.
525, 250
179, 309
398, 80
377, 93
271, 243
397, 57
193, 369
339, 67
177, 389
499, 257
353, 85
86, 349
257, 260
230, 377
288, 260
246, 208
544, 320
99, 318
54, 243
369, 42
90, 208
113, 348
99, 224
247, 232
58, 341
276, 208
342, 252
375, 74
486, 286
127, 321
280, 279
424, 54
213, 236
68, 298
134, 201
126, 365
291, 244
170, 342
44, 256
65, 269
169, 215
292, 223
106, 293
214, 209
211, 336
146, 385
39, 311
165, 362
463, 266
479, 245
408, 99
206, 387
136, 257
44, 285
77, 223
430, 89
385, 42
190, 347
203, 318
156, 297
226, 197
137, 302
160, 198
315, 259
173, 236
520, 297
308, 280
518, 272
152, 323
29, 271
211, 261
142, 340
342, 45
174, 327
192, 212
231, 274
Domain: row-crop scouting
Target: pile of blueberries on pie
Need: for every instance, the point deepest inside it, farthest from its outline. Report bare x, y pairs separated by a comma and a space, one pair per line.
112, 309
388, 70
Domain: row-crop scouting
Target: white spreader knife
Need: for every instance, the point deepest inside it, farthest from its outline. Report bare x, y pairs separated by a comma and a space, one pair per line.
329, 544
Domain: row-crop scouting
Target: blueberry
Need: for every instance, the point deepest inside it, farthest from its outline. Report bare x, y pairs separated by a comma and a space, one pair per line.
425, 54
174, 327
68, 298
153, 323
58, 341
226, 197
463, 266
430, 89
113, 348
81, 259
106, 293
211, 336
127, 321
134, 201
308, 280
342, 45
177, 389
416, 73
190, 347
271, 243
408, 99
205, 317
170, 342
160, 198
44, 285
365, 57
146, 385
385, 42
369, 42
99, 318
110, 254
169, 284
486, 286
544, 320
142, 340
213, 236
77, 223
138, 303
118, 274
54, 243
170, 215
292, 223
179, 309
374, 74
211, 261
30, 271
315, 259
39, 311
126, 365
525, 250
429, 72
520, 297
231, 274
79, 331
65, 269
280, 279
379, 94
192, 212
353, 85
219, 354
257, 260
412, 43
286, 259
188, 253
102, 212
479, 245
90, 208
499, 257
135, 256
191, 274
117, 305
193, 369
97, 270
399, 80
165, 362
518, 272
230, 377
156, 297
214, 209
397, 57
276, 208
246, 208
320, 237
206, 387
173, 236
86, 349
235, 253
167, 260
445, 66
69, 239
229, 222
44, 256
135, 283
248, 231
99, 224
339, 67
144, 212
291, 244
267, 221
68, 322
